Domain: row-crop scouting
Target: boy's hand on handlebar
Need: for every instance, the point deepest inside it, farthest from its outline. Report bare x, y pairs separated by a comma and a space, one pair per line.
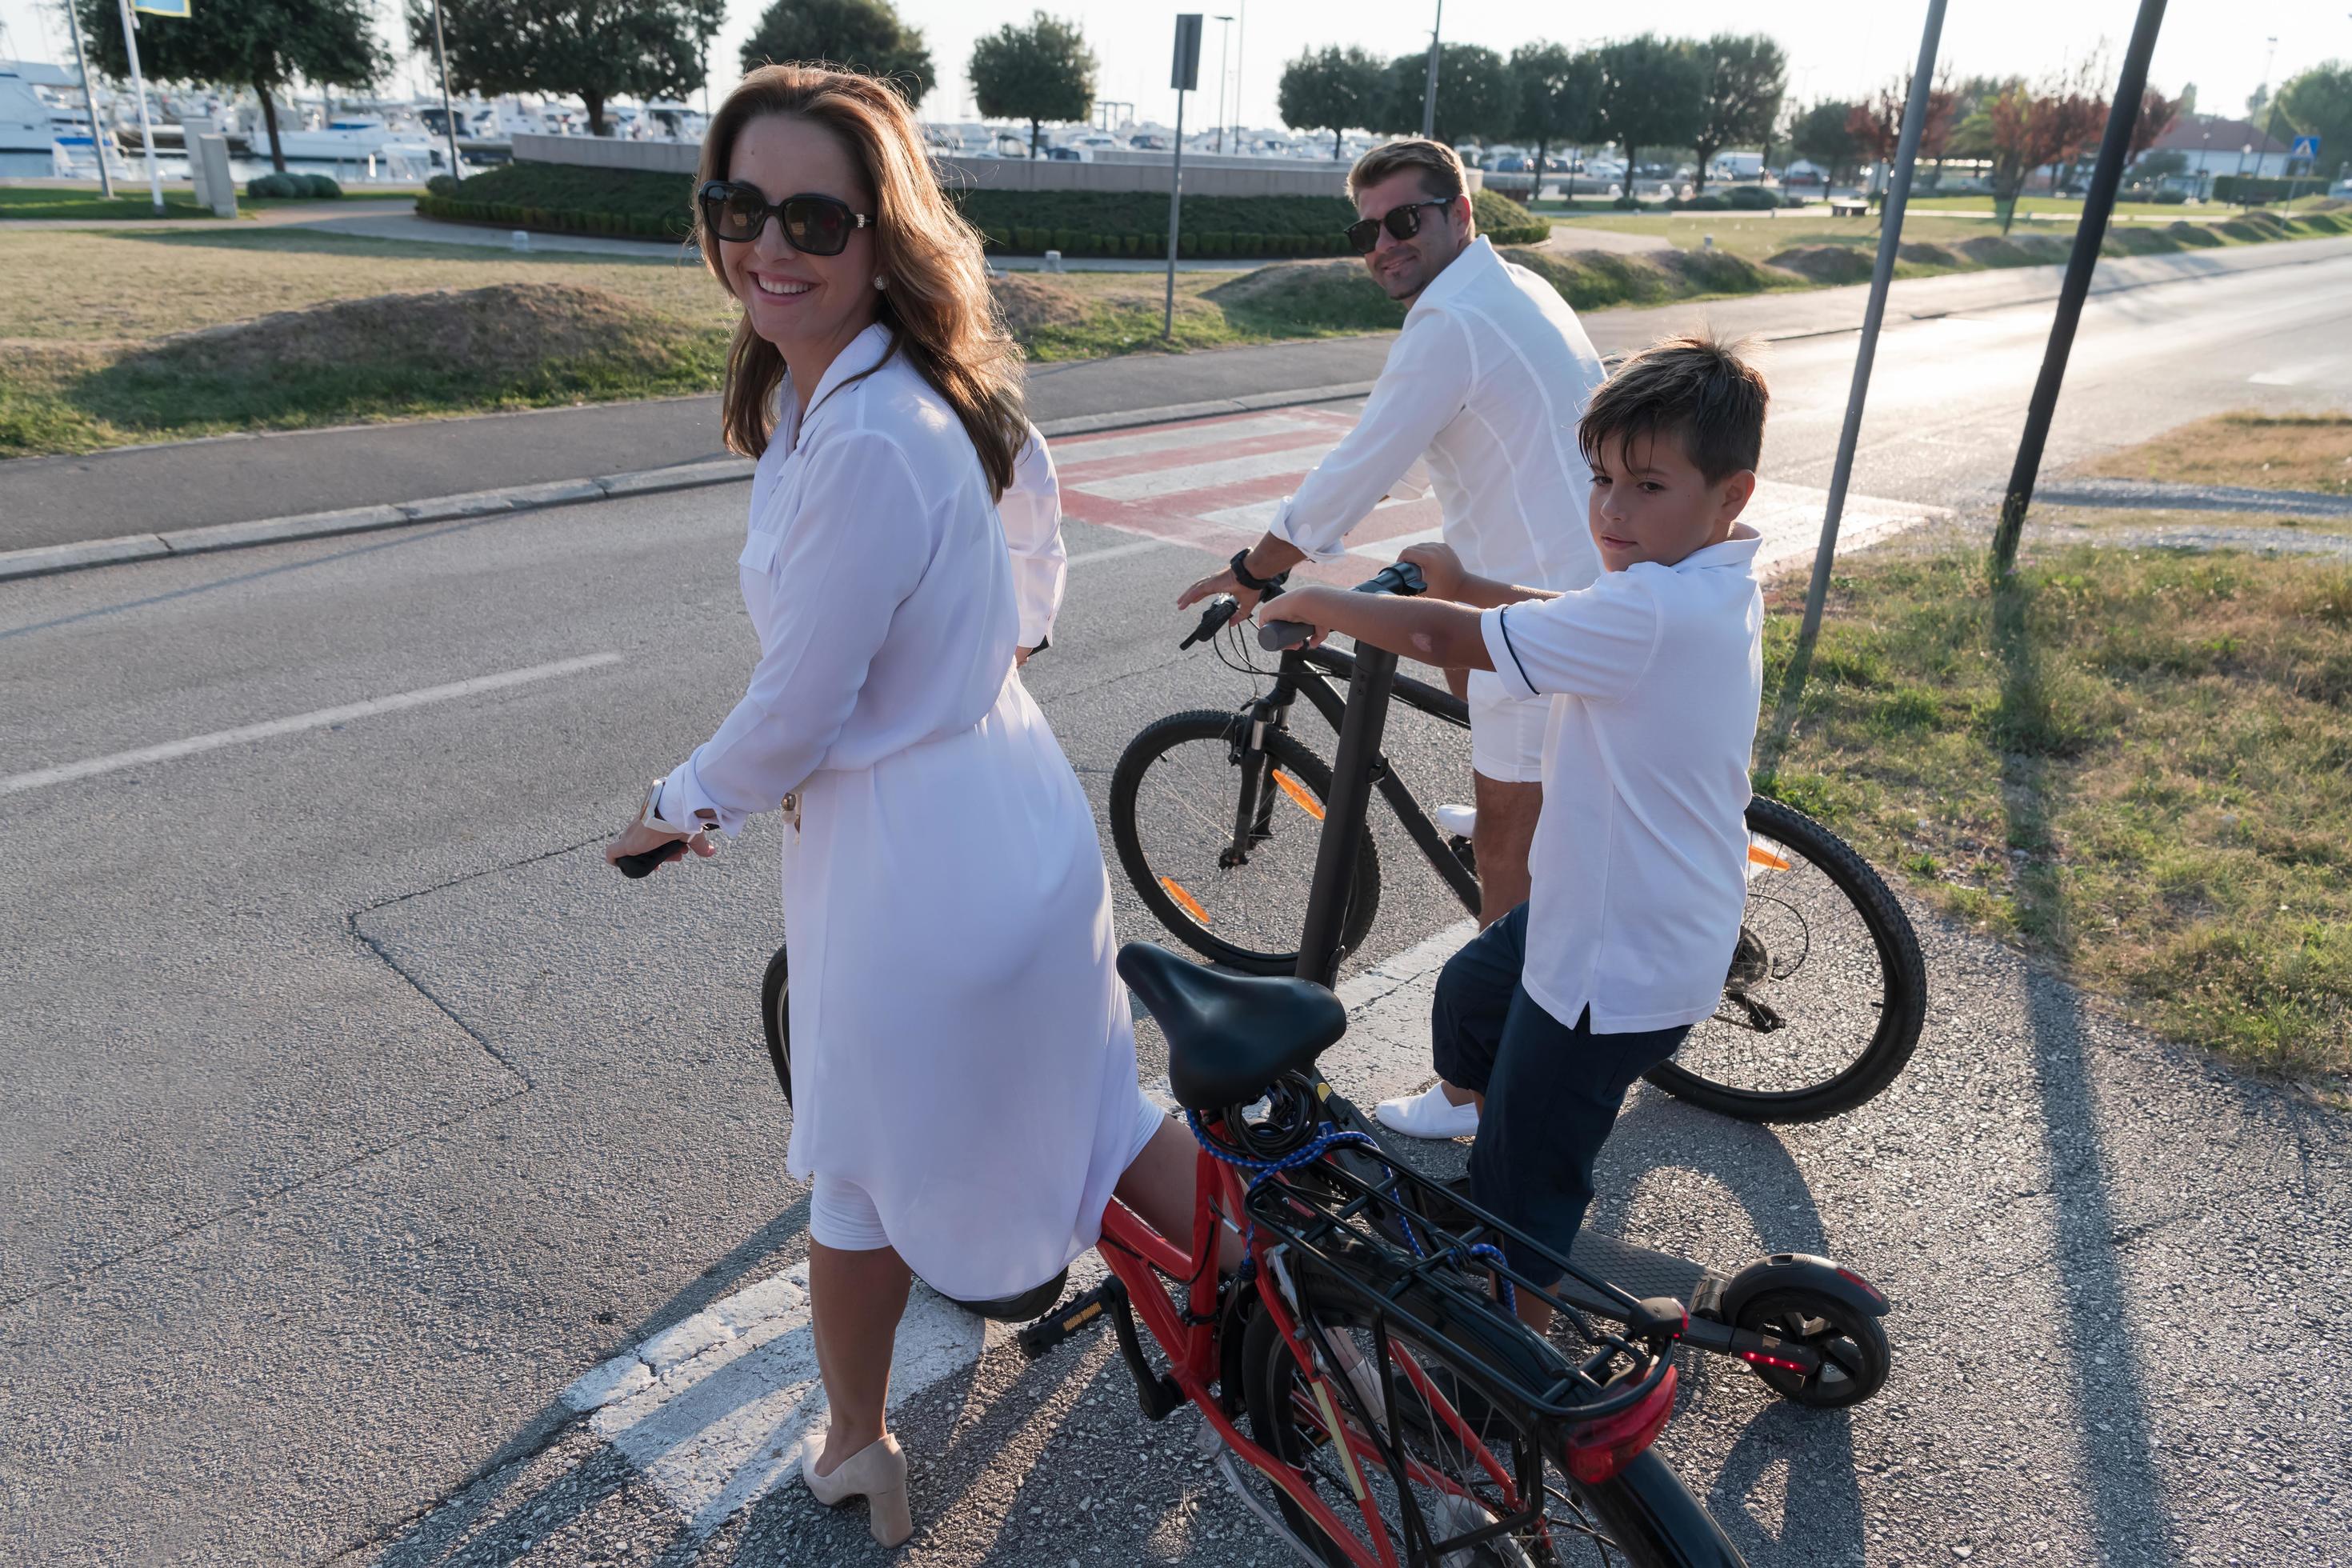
1309, 605
1439, 567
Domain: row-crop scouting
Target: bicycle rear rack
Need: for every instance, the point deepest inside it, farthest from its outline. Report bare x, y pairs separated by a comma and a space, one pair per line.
1377, 1238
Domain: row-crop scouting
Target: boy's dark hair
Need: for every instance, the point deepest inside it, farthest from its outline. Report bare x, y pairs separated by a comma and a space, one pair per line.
1692, 386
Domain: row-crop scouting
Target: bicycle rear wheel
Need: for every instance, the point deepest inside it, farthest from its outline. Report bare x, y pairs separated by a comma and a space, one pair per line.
1827, 990
1437, 1481
1175, 801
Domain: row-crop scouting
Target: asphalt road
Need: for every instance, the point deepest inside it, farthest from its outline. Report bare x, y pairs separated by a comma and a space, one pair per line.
355, 1109
56, 500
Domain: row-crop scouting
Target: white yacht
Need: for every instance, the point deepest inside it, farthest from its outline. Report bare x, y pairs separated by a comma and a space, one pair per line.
344, 139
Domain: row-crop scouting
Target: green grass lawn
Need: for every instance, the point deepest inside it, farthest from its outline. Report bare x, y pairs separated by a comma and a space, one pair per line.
2249, 447
131, 202
2136, 765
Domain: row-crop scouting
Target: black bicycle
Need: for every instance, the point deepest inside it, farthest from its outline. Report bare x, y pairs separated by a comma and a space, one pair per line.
1217, 818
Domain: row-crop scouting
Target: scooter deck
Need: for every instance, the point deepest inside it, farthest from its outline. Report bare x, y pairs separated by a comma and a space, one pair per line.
1639, 1272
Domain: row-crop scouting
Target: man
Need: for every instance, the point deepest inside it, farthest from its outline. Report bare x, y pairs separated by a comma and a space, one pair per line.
1485, 384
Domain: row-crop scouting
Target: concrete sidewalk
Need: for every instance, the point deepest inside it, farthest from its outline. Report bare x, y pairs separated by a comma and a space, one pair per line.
67, 500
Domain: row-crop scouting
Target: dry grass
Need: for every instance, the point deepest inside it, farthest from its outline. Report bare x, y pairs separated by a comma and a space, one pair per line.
2268, 451
2137, 765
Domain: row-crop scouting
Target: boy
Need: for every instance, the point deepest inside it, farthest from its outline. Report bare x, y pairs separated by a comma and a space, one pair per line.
1638, 866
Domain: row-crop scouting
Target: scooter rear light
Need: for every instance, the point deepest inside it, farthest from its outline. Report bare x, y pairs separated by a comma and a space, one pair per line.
1599, 1449
1851, 1277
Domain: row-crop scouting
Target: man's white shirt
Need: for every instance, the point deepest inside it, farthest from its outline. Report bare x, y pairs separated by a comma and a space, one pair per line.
1639, 866
1488, 382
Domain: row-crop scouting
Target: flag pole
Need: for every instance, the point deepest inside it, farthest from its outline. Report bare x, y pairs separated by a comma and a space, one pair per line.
90, 97
138, 90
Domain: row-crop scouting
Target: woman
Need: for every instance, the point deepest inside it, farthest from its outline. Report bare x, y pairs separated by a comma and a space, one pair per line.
963, 1064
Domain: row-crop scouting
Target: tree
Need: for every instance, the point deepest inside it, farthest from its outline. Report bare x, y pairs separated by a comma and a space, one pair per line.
1040, 72
264, 45
1556, 90
594, 50
866, 36
1874, 126
2319, 103
2157, 114
1332, 90
2033, 128
1652, 93
1820, 136
1746, 76
1477, 98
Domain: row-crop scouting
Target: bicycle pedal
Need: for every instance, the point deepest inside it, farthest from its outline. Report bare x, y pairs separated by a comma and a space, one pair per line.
1064, 1322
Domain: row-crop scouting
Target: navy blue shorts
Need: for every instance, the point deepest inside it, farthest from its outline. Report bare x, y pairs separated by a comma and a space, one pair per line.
1552, 1091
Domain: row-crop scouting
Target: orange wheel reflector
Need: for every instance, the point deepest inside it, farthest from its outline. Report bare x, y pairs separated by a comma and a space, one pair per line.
1184, 900
1298, 795
1759, 855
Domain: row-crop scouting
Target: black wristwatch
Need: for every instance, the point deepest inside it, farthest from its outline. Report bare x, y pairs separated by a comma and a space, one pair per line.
1254, 584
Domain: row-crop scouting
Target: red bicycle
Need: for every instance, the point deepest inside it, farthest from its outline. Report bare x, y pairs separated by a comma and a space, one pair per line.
1366, 1363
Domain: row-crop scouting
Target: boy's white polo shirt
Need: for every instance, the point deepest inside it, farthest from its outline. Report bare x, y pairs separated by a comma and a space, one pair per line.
1639, 863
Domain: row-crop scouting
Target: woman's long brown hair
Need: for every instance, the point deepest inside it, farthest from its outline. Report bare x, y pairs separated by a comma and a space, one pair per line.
937, 306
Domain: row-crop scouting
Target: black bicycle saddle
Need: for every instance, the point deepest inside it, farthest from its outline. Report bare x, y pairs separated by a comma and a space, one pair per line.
1229, 1035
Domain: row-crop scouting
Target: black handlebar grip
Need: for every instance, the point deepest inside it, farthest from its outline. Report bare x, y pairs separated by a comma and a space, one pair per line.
1214, 616
637, 865
1276, 636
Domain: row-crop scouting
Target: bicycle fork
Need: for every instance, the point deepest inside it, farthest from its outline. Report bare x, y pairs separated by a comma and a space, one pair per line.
1254, 810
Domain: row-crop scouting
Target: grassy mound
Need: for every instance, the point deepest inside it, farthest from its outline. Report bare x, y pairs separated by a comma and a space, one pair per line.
1928, 253
2249, 447
1598, 279
1827, 263
506, 345
2019, 250
1326, 296
2194, 236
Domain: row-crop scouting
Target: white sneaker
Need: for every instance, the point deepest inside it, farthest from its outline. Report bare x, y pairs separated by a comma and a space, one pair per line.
1428, 1114
1462, 821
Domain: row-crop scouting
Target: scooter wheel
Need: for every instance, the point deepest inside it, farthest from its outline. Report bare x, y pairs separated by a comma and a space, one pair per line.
1850, 1342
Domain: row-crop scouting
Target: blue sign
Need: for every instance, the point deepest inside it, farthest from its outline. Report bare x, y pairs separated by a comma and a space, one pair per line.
160, 8
2305, 147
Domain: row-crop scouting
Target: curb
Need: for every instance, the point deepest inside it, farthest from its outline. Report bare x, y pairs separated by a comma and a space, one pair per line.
48, 560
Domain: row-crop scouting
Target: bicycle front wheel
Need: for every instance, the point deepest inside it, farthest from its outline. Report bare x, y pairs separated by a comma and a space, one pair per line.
1827, 990
1457, 1463
1235, 893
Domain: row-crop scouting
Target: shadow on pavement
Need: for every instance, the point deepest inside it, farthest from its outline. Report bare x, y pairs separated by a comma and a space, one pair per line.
479, 1524
2111, 1404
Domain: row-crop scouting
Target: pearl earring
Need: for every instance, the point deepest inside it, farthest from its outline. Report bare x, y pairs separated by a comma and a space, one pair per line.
881, 282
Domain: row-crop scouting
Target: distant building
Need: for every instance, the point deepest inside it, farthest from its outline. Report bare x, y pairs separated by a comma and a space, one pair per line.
2212, 145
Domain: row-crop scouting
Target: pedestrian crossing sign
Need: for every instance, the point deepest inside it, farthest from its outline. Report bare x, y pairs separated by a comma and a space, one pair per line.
162, 7
2305, 147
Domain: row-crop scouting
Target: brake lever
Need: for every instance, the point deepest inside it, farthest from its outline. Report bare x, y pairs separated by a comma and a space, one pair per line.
1214, 617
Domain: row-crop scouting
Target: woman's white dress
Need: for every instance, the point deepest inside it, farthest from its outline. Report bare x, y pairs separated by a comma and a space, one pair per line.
961, 1047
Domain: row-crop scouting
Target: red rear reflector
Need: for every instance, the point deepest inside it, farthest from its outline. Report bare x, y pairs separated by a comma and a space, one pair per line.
1867, 1288
1599, 1449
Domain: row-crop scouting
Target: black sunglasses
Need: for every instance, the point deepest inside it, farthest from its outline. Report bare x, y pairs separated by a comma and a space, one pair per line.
1402, 223
816, 225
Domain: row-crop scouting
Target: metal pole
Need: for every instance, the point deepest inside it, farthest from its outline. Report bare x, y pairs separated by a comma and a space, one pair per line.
1241, 56
1225, 59
1429, 93
1175, 209
449, 115
90, 97
1890, 240
2097, 204
138, 90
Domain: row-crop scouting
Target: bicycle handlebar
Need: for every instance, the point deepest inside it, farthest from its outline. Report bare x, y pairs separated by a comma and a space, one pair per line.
1401, 577
637, 865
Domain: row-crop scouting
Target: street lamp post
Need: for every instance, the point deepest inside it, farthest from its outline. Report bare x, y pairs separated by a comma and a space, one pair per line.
1224, 59
1429, 93
90, 97
449, 115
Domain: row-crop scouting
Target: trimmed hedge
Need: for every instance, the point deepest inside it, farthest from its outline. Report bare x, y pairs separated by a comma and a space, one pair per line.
577, 200
294, 187
2256, 188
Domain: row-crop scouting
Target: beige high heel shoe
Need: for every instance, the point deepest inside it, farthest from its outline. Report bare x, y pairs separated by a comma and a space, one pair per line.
877, 1472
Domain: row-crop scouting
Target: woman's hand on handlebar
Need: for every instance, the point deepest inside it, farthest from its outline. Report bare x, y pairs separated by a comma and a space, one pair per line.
639, 839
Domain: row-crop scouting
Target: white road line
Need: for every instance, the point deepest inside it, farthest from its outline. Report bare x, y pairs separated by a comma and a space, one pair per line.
1387, 550
1205, 476
717, 1409
1113, 552
1259, 514
169, 750
1074, 453
2288, 376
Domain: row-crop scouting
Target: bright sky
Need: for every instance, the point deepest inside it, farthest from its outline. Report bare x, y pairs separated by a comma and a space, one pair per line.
1836, 48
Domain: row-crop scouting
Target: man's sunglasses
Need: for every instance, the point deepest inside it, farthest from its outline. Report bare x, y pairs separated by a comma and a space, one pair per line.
1402, 223
816, 225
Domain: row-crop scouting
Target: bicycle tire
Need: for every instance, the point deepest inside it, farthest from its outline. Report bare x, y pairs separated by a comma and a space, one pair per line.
776, 1021
1902, 1004
1205, 727
1644, 1516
